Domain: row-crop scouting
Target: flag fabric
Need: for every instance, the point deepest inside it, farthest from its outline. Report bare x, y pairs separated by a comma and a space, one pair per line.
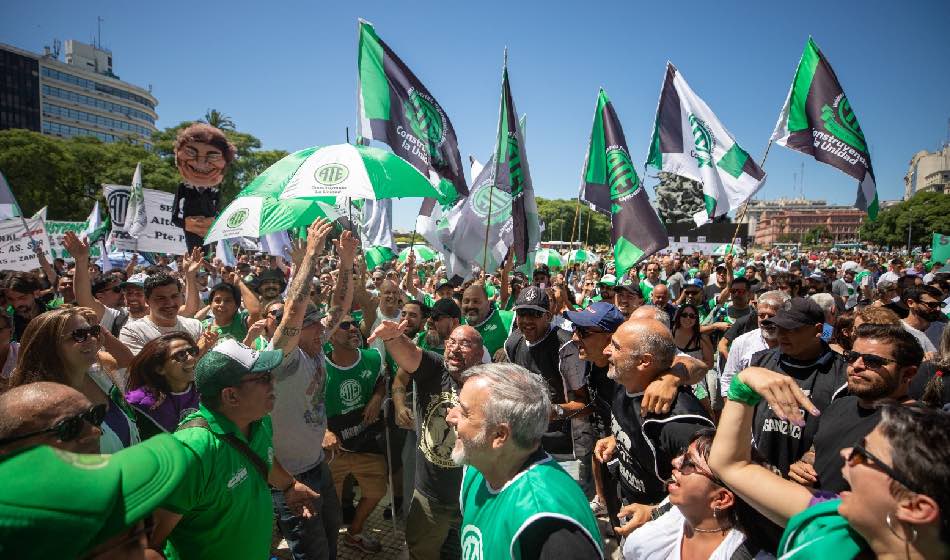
137, 220
610, 183
223, 252
817, 119
397, 109
376, 232
8, 205
93, 222
940, 249
689, 140
512, 176
276, 243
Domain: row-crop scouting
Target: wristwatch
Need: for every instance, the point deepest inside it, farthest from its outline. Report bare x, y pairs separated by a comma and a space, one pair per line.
559, 412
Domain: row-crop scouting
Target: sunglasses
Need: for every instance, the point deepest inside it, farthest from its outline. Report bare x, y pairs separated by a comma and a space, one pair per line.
584, 332
861, 456
83, 334
738, 291
264, 378
688, 315
68, 429
347, 325
931, 304
689, 466
870, 360
182, 355
533, 313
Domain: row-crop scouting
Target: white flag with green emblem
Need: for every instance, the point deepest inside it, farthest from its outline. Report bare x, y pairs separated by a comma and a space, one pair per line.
689, 140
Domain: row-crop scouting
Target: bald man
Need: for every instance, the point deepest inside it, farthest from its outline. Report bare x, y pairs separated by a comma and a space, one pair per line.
639, 352
494, 325
434, 508
46, 413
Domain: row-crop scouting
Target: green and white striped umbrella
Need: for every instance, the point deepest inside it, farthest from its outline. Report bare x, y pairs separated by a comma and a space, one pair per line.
424, 253
581, 256
548, 257
726, 249
283, 196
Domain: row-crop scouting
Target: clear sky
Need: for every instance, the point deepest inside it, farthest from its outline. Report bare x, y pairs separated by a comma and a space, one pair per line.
286, 71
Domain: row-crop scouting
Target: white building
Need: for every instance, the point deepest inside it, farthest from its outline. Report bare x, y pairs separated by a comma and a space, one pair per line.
928, 171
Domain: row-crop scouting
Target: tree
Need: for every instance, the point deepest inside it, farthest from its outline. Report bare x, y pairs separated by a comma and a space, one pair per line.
924, 214
218, 119
816, 235
558, 217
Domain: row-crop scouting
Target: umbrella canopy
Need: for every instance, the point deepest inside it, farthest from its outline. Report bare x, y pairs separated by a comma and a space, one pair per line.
548, 257
423, 253
581, 256
284, 195
727, 249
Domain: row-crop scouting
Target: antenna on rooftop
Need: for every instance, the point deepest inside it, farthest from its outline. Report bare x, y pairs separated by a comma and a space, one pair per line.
99, 21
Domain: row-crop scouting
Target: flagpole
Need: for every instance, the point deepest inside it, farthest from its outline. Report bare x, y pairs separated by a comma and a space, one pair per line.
577, 211
746, 207
590, 214
491, 188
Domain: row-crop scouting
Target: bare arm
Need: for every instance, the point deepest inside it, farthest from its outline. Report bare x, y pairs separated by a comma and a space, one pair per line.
82, 286
249, 299
47, 267
342, 298
730, 456
295, 308
191, 264
404, 413
707, 347
404, 352
130, 268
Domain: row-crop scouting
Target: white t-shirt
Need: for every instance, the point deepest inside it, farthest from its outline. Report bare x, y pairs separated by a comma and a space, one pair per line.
740, 354
921, 338
300, 414
139, 332
661, 539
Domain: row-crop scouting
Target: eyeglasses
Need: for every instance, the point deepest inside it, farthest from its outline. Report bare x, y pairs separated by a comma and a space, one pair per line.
191, 154
275, 312
264, 378
68, 429
861, 456
584, 332
533, 313
182, 355
689, 466
83, 334
463, 344
347, 325
870, 360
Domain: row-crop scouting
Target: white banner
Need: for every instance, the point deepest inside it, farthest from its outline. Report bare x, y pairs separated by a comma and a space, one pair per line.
16, 247
159, 235
56, 230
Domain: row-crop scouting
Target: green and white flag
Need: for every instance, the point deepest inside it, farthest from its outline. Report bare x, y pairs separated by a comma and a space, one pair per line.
689, 140
136, 216
610, 184
818, 120
376, 232
397, 109
8, 205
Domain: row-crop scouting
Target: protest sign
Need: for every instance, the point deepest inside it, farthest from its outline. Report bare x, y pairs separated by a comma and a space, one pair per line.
17, 244
159, 235
56, 230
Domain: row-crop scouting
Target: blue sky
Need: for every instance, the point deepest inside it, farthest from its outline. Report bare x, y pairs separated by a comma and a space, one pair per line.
286, 71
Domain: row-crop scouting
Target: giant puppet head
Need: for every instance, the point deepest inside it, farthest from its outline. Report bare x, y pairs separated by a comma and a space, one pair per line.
202, 153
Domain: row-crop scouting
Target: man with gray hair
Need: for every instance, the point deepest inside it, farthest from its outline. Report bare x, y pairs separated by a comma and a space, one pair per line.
827, 304
517, 502
761, 338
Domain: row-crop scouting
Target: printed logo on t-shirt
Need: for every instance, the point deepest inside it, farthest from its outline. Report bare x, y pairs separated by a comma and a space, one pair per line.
237, 478
471, 543
438, 438
350, 392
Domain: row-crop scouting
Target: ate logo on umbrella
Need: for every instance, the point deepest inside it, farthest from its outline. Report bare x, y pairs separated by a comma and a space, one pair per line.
237, 218
331, 174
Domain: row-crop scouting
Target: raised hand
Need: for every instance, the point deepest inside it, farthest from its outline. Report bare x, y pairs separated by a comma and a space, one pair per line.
387, 330
78, 248
346, 247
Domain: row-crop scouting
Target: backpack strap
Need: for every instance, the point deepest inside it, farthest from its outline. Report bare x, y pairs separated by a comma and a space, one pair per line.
236, 443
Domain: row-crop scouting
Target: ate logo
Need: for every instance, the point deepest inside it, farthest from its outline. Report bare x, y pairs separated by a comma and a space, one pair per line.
350, 392
237, 218
331, 174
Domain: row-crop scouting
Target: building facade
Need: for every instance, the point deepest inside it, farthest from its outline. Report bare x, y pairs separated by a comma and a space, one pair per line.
928, 171
842, 224
754, 210
78, 97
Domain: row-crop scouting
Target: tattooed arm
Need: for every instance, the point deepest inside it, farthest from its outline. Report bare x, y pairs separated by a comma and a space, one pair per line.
295, 308
342, 297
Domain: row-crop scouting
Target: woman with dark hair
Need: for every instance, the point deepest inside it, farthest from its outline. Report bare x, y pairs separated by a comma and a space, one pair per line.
162, 377
706, 520
62, 346
899, 474
842, 337
687, 337
930, 384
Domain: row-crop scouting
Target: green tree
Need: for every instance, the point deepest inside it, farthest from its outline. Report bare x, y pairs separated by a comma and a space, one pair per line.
924, 214
558, 216
218, 119
816, 235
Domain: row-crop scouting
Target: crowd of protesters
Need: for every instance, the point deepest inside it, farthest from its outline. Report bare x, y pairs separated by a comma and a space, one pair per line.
773, 405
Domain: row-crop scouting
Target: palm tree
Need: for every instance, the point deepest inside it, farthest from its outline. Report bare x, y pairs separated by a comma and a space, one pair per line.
218, 119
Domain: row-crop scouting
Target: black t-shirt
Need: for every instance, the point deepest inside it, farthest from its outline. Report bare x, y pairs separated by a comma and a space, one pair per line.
924, 374
556, 539
747, 323
193, 201
780, 442
437, 476
601, 389
841, 424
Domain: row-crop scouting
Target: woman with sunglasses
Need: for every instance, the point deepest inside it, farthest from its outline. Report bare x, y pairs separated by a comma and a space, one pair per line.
689, 340
61, 346
701, 518
162, 376
899, 474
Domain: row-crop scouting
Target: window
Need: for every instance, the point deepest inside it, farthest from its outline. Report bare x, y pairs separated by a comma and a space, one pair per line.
96, 86
66, 113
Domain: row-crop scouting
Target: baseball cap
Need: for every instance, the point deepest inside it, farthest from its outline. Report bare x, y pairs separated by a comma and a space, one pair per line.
313, 314
630, 285
599, 314
695, 283
445, 307
608, 280
722, 266
57, 504
228, 362
534, 298
797, 312
444, 284
137, 280
543, 269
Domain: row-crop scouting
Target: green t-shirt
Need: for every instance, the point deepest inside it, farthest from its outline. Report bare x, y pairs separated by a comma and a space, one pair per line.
646, 288
237, 329
820, 532
492, 522
494, 329
225, 504
349, 388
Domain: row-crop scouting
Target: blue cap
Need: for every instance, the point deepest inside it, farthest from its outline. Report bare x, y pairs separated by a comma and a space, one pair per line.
599, 314
695, 282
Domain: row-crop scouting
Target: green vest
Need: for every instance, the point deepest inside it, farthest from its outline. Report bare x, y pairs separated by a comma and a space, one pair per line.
495, 329
349, 389
492, 522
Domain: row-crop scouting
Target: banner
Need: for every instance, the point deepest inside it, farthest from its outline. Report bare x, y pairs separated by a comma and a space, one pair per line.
56, 230
16, 245
940, 249
158, 236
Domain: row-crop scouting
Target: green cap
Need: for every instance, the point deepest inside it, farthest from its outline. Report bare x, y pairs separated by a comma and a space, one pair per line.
57, 504
608, 280
228, 362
